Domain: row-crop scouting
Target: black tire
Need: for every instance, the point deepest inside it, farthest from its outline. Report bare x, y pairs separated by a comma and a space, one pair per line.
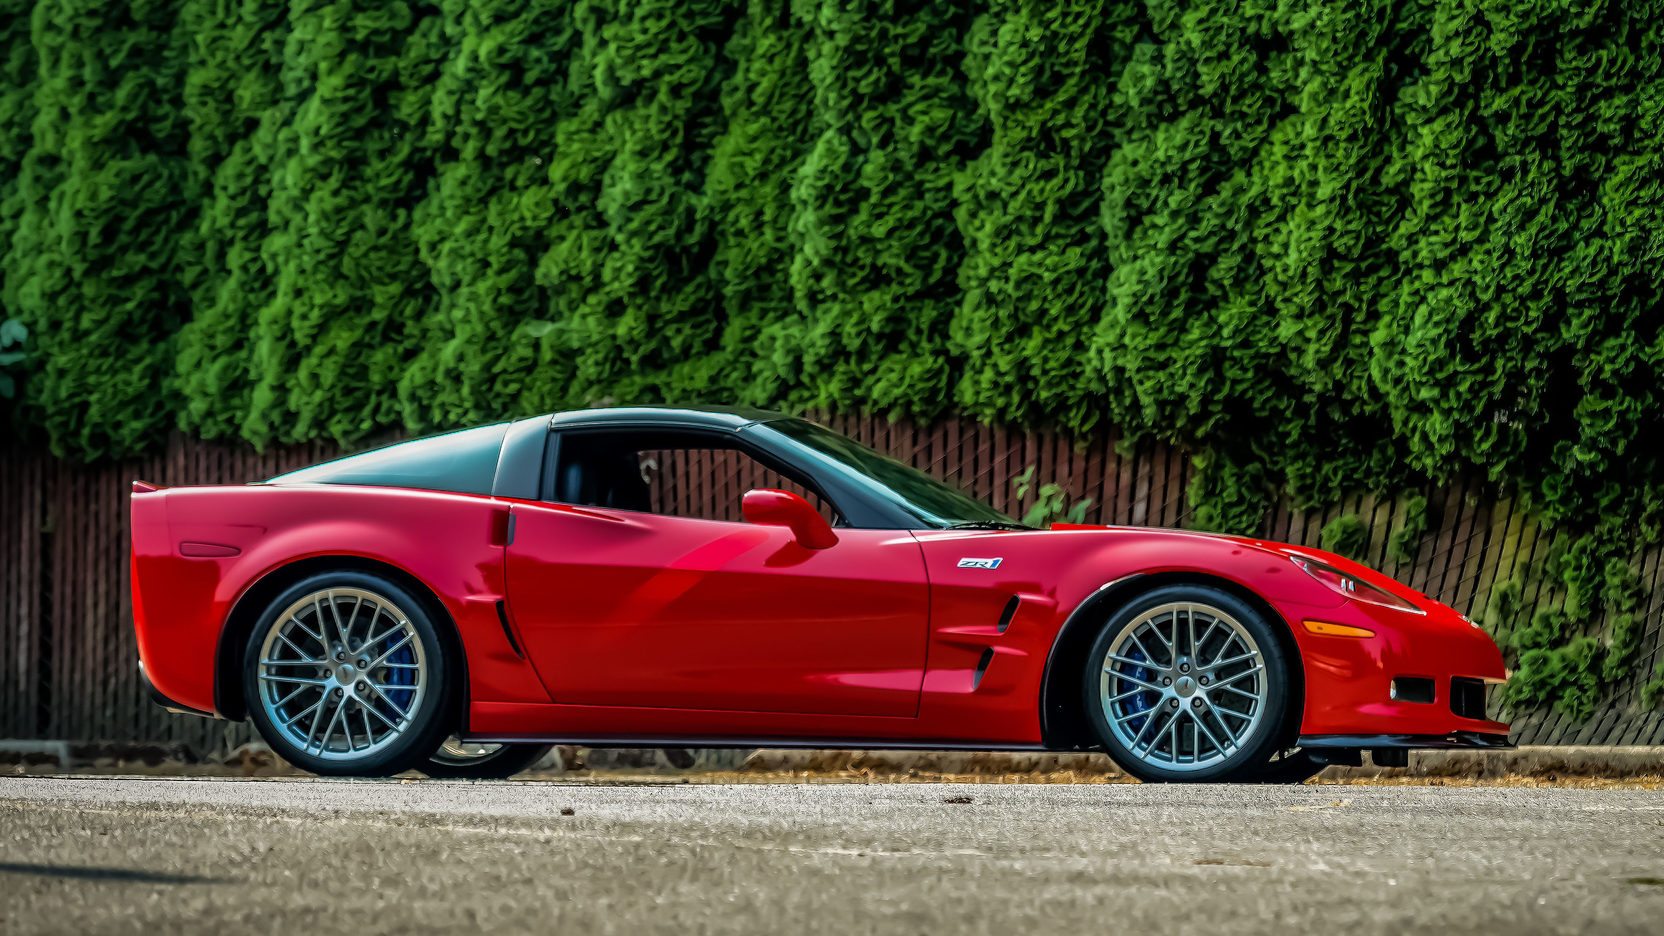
415, 731
505, 762
1242, 761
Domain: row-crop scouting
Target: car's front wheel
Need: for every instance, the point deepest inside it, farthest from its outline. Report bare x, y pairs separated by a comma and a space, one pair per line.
1188, 683
466, 760
346, 674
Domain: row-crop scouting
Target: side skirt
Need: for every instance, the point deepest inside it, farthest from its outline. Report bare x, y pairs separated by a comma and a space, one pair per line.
718, 743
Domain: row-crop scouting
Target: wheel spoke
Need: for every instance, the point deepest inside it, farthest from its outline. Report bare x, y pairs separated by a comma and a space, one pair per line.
1133, 679
304, 656
1142, 649
1241, 692
1212, 625
302, 713
285, 700
384, 719
329, 728
1235, 741
394, 649
1162, 637
315, 681
340, 630
1128, 694
346, 729
352, 620
317, 720
1143, 728
1239, 676
403, 714
1206, 730
319, 637
1123, 719
1234, 713
1235, 660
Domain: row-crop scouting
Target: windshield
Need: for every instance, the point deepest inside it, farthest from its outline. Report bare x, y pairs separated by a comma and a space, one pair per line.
933, 502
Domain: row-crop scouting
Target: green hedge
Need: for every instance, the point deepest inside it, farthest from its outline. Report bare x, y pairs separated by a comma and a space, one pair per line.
1327, 245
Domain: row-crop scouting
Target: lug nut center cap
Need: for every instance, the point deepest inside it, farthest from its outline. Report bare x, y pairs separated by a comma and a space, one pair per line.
1185, 687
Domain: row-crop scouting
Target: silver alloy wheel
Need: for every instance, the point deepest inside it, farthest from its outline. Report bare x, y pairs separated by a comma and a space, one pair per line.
458, 753
1184, 686
342, 672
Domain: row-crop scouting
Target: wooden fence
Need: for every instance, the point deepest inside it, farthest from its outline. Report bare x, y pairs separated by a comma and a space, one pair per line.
67, 656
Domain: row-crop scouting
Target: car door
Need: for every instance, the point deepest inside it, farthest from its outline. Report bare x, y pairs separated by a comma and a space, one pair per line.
623, 600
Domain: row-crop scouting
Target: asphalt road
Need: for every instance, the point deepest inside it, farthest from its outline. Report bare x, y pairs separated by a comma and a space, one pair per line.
107, 855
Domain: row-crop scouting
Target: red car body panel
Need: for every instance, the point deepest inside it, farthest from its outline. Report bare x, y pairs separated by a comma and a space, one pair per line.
640, 628
631, 609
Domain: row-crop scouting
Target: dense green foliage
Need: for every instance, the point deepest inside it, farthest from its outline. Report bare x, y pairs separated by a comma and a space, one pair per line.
1328, 245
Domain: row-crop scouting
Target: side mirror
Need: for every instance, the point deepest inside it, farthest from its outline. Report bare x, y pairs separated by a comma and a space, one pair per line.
770, 507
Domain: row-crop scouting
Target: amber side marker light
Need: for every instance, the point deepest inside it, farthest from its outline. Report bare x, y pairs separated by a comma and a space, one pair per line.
1337, 630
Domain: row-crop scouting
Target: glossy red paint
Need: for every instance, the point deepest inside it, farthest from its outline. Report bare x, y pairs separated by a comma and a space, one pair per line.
651, 628
783, 508
638, 610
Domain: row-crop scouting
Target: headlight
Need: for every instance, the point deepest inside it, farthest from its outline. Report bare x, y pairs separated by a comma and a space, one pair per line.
1351, 586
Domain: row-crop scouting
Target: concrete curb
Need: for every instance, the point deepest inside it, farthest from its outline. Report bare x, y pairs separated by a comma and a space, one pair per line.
67, 754
1543, 762
1536, 761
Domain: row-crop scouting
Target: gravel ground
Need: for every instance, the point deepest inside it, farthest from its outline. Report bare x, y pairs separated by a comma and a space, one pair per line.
154, 855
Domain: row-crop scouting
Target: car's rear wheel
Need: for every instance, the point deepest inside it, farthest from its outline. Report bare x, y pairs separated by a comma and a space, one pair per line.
346, 674
1187, 683
466, 760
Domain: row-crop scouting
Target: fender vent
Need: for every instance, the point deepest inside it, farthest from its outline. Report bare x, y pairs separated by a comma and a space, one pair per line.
502, 618
1009, 613
982, 667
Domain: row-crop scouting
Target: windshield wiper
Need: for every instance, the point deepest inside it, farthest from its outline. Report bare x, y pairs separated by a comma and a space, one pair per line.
987, 525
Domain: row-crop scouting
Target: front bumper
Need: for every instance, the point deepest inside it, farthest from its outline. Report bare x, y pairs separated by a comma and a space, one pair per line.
156, 696
1350, 690
1456, 739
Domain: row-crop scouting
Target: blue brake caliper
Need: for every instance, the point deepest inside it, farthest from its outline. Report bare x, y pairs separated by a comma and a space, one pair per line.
1140, 703
400, 676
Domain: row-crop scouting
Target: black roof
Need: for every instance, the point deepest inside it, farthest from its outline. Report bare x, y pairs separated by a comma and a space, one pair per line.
680, 417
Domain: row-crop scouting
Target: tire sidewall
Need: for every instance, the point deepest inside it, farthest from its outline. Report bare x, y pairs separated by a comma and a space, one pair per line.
430, 722
1256, 750
512, 759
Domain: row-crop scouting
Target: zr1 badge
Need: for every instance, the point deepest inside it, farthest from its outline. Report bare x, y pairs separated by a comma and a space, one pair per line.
969, 563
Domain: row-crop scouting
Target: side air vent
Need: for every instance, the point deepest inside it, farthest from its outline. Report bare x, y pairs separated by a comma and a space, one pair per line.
1467, 697
982, 667
1009, 613
502, 618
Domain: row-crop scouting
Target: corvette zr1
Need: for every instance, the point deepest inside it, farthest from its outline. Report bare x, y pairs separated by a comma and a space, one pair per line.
460, 602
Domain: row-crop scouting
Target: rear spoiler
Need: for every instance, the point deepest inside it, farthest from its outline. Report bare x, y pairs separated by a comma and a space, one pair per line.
146, 487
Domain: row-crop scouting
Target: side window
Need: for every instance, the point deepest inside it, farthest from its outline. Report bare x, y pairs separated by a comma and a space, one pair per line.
675, 474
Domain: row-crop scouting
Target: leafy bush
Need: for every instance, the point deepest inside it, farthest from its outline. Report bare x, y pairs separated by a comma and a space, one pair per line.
1346, 535
1402, 546
1051, 502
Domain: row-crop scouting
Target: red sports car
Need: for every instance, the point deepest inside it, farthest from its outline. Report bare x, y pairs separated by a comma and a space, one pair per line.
458, 603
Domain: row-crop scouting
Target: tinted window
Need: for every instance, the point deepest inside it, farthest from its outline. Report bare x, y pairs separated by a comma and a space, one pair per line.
692, 475
932, 501
462, 462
